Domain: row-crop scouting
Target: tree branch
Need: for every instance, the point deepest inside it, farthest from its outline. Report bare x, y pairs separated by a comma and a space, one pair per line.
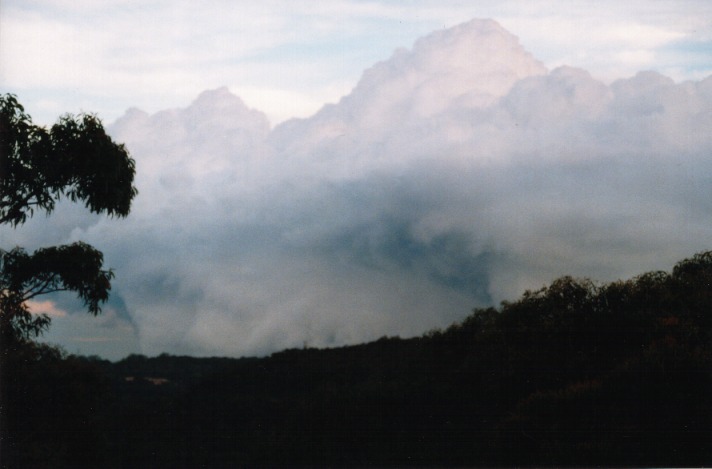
53, 290
41, 289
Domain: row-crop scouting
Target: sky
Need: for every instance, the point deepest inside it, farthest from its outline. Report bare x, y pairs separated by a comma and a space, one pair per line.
289, 58
326, 173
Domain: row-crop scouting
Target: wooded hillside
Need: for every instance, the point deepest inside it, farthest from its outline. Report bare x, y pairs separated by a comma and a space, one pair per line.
572, 374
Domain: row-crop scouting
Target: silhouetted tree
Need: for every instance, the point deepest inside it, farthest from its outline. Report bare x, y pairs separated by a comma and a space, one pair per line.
74, 159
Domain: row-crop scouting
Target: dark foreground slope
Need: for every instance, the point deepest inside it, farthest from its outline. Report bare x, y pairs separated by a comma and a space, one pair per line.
572, 374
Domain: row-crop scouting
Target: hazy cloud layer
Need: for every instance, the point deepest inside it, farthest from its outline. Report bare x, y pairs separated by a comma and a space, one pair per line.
456, 174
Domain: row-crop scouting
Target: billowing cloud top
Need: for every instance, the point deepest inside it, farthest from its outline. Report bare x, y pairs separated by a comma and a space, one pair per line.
455, 174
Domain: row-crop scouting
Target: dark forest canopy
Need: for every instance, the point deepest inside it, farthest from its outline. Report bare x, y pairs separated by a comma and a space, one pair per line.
572, 374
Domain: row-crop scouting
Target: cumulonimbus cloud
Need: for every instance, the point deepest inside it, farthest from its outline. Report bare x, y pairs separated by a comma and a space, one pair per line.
455, 175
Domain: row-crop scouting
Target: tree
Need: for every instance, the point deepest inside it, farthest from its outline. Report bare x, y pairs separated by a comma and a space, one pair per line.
77, 160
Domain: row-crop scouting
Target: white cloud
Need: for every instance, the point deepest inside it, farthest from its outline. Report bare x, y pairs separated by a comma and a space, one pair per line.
108, 56
284, 104
455, 174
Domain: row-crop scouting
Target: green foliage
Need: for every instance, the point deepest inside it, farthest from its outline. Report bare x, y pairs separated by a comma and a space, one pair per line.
77, 160
74, 159
75, 267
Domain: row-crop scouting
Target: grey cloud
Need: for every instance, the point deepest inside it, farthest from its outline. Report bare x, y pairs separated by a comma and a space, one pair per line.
455, 175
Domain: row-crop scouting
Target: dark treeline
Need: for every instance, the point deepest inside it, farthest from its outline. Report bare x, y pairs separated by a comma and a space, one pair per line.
572, 374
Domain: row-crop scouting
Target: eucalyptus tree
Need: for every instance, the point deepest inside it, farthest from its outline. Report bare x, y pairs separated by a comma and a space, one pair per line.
75, 159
